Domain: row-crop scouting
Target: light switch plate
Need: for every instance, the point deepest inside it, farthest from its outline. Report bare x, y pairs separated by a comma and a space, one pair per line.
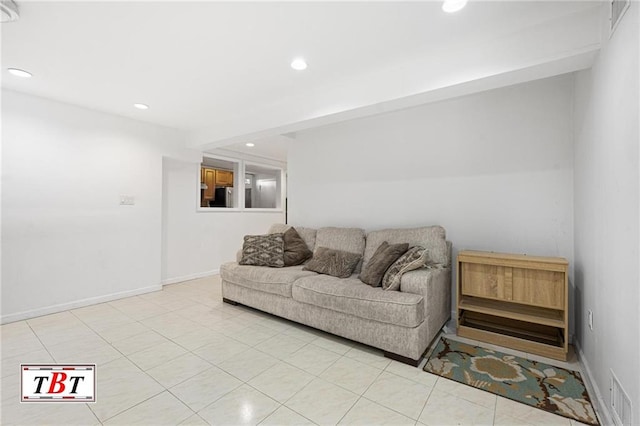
127, 200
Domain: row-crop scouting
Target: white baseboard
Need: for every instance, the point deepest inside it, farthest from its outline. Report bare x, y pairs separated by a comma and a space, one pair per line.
75, 304
190, 277
599, 403
452, 325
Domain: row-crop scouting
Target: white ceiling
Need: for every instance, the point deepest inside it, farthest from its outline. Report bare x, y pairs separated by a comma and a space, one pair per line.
220, 70
274, 148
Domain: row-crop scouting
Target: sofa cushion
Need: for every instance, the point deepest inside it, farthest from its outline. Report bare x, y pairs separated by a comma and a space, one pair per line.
332, 262
345, 239
433, 238
307, 234
277, 281
384, 257
351, 296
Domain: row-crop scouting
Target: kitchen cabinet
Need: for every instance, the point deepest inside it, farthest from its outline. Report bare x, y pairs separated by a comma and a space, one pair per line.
224, 178
208, 177
516, 301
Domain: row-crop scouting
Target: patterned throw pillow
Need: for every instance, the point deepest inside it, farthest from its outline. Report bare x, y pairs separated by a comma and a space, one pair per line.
381, 260
263, 250
337, 263
295, 249
415, 258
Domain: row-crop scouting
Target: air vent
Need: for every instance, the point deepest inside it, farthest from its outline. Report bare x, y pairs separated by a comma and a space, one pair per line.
620, 403
618, 8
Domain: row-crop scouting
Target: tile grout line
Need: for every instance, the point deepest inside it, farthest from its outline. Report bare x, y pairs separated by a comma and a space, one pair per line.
166, 389
495, 410
55, 361
242, 382
139, 367
248, 321
123, 355
40, 340
426, 401
316, 376
360, 396
133, 406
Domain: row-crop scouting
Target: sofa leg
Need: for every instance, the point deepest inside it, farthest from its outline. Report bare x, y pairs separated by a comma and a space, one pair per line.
229, 301
403, 359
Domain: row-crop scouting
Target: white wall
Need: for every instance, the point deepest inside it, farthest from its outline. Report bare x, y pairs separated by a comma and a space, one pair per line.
607, 211
66, 241
494, 168
197, 242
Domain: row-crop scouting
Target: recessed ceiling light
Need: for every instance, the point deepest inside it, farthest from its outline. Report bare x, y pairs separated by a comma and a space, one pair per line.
250, 145
141, 106
451, 6
19, 73
8, 11
299, 64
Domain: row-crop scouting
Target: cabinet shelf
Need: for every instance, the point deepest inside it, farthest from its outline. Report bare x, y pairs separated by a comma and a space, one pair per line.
520, 344
514, 328
513, 300
515, 311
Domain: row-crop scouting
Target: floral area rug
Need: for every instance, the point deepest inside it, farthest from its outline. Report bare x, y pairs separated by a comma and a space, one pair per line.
540, 385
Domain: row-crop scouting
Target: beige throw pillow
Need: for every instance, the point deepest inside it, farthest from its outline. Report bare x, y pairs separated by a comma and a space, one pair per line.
414, 258
381, 260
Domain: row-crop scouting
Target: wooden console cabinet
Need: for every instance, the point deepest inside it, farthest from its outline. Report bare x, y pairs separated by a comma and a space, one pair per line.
516, 301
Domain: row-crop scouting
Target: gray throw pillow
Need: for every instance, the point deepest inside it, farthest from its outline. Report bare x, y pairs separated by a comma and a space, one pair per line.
414, 258
263, 250
296, 251
381, 260
337, 263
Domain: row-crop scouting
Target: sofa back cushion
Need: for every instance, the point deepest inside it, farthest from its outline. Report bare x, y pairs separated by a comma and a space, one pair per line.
433, 238
345, 239
307, 234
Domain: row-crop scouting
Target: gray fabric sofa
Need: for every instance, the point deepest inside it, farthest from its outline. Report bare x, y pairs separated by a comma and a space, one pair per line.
401, 323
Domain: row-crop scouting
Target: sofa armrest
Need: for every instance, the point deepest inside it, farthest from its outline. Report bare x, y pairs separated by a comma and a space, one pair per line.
434, 284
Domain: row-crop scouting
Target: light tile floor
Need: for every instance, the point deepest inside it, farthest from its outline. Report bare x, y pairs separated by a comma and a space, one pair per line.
181, 356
